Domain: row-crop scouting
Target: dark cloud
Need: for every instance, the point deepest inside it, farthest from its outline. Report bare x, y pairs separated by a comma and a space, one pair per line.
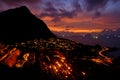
98, 6
76, 5
51, 11
65, 13
33, 5
7, 4
57, 9
69, 27
97, 14
49, 7
59, 13
115, 0
95, 4
20, 1
57, 16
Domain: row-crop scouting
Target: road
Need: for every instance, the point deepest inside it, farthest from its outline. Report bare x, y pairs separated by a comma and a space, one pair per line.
101, 52
106, 59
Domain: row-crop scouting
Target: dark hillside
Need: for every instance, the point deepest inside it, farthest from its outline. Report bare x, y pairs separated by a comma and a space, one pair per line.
20, 24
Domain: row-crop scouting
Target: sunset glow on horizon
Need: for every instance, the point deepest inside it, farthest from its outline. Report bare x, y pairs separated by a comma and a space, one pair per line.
76, 30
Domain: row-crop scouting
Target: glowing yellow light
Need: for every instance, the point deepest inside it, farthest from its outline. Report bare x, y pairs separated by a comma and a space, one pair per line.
58, 64
54, 67
25, 56
108, 60
50, 66
68, 67
66, 76
83, 73
56, 70
97, 60
18, 65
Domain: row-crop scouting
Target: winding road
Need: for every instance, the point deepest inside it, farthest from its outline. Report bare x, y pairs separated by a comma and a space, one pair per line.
106, 60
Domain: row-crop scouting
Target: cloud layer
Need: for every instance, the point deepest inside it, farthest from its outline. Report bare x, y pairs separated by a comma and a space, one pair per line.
94, 13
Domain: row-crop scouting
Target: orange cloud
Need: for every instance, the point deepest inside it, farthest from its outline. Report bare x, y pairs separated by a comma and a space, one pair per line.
59, 29
87, 31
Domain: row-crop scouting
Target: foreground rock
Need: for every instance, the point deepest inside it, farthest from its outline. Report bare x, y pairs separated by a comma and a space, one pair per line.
20, 24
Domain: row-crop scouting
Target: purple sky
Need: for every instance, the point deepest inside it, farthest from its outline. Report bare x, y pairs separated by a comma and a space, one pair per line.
72, 15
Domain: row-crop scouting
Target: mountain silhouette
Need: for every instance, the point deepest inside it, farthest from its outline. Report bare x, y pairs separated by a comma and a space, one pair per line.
20, 24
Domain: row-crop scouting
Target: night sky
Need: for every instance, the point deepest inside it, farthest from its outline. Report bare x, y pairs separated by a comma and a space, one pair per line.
72, 15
